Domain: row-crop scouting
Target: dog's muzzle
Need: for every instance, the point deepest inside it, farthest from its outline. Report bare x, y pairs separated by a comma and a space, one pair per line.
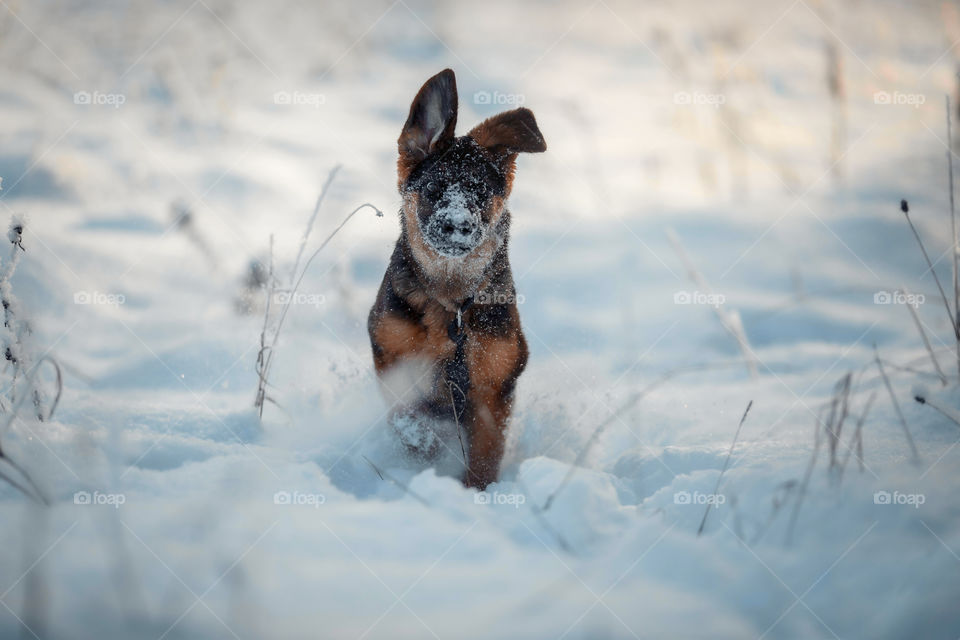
453, 231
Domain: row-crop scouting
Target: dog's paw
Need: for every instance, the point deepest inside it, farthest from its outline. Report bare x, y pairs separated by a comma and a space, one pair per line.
419, 434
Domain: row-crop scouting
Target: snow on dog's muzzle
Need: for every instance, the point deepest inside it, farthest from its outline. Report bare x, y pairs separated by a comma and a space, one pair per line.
453, 229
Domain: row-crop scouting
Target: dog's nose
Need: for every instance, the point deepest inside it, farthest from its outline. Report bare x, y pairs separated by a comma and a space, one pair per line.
465, 228
453, 229
458, 224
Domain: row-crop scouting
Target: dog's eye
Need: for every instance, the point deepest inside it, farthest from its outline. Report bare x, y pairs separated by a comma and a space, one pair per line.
431, 190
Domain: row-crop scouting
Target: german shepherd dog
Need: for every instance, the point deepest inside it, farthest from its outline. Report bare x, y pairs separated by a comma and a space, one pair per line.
446, 310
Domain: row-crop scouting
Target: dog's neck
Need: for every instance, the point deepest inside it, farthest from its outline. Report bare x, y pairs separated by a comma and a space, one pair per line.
443, 281
450, 281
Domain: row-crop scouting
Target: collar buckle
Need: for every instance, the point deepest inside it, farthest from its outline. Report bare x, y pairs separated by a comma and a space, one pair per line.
455, 330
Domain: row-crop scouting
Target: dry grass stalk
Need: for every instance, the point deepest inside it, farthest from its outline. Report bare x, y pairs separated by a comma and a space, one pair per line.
538, 513
806, 478
265, 349
947, 413
407, 490
953, 232
905, 207
626, 406
313, 218
953, 223
839, 410
923, 336
20, 358
726, 463
456, 418
896, 405
730, 320
268, 347
856, 440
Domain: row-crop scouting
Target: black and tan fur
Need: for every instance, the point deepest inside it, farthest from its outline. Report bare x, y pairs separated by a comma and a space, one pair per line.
471, 365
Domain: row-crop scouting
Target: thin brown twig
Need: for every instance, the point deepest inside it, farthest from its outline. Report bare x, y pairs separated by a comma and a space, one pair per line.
538, 513
857, 438
313, 218
726, 463
35, 490
456, 420
19, 487
264, 347
896, 405
946, 303
383, 474
730, 321
56, 399
373, 466
923, 336
839, 410
632, 400
953, 228
944, 412
806, 478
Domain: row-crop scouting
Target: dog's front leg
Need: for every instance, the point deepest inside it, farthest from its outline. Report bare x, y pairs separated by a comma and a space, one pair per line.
495, 363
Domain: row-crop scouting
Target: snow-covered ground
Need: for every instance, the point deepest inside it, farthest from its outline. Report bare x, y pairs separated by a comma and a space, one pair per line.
715, 120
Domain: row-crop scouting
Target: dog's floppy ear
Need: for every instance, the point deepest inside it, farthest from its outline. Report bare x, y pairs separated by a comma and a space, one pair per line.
510, 132
432, 119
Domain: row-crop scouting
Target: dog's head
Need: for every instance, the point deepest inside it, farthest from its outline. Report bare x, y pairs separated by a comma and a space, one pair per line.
455, 188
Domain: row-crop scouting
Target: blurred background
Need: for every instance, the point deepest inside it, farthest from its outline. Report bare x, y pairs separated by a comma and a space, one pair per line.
774, 129
741, 162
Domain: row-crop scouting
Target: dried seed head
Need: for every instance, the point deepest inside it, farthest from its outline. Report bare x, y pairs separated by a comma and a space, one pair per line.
15, 233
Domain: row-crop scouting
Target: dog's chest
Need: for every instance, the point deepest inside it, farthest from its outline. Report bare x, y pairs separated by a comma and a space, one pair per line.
434, 326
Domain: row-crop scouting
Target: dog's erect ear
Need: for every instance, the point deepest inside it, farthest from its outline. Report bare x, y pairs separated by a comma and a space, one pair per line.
510, 132
432, 119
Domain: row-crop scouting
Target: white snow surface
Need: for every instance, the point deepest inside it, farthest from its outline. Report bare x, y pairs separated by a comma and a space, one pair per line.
713, 119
